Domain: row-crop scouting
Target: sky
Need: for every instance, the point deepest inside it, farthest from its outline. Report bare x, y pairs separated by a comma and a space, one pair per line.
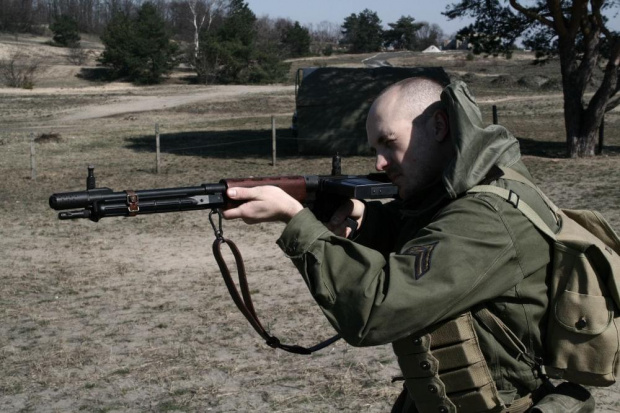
335, 11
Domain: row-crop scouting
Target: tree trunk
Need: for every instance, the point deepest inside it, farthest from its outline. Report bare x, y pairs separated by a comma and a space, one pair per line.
581, 145
580, 127
196, 40
581, 122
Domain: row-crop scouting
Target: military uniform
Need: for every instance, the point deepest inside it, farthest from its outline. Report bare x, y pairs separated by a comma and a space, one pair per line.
418, 263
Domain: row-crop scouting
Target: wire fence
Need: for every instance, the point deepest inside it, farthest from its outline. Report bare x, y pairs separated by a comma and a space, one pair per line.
37, 151
33, 151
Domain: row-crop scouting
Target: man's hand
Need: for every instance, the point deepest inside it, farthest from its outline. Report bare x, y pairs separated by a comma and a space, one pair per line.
353, 209
262, 204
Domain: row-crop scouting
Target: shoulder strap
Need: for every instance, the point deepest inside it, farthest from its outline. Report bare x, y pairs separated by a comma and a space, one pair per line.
514, 199
512, 175
490, 321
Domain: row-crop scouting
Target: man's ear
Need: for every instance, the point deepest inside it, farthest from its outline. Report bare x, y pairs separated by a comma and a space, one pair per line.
441, 126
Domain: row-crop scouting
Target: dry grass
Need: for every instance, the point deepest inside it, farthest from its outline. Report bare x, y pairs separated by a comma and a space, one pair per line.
131, 314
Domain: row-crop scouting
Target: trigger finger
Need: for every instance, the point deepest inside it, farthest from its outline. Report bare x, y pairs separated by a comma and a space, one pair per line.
340, 229
342, 213
336, 222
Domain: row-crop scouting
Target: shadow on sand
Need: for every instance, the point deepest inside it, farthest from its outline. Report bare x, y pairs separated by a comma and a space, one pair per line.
251, 143
232, 143
95, 74
550, 149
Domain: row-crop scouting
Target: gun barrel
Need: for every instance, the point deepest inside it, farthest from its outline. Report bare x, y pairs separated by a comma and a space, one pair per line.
153, 206
84, 199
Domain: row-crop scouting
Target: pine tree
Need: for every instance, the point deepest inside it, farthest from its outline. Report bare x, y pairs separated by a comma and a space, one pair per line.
402, 34
118, 39
363, 32
139, 48
155, 53
297, 40
231, 55
65, 30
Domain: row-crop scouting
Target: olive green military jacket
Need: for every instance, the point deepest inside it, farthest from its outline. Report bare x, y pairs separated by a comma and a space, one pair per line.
416, 263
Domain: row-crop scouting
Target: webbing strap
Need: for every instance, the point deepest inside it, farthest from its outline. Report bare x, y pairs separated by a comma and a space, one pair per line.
504, 334
244, 300
512, 175
522, 206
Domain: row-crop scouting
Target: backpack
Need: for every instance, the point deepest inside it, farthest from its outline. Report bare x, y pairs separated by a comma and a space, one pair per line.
582, 342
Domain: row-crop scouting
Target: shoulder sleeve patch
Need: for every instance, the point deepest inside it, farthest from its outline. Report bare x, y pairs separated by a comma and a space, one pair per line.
422, 254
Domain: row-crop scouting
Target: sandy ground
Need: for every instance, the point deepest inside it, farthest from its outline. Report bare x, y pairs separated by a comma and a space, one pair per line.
131, 315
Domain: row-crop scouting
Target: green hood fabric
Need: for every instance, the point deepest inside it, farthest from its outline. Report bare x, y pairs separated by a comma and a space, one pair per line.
477, 148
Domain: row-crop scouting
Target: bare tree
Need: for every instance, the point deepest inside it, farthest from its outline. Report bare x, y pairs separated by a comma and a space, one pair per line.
202, 11
324, 34
16, 16
428, 35
19, 71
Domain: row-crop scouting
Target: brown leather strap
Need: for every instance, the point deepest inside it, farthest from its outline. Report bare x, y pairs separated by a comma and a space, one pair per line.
244, 300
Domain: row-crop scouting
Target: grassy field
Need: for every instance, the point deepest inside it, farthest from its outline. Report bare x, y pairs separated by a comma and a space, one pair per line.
131, 315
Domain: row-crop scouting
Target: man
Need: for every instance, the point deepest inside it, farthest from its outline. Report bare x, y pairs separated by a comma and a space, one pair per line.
418, 268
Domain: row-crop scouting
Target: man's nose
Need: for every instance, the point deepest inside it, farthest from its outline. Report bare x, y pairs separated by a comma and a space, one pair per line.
380, 163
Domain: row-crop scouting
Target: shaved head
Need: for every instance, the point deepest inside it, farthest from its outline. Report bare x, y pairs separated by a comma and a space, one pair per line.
410, 98
408, 129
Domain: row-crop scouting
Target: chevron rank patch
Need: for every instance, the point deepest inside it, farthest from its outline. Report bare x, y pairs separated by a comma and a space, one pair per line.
422, 254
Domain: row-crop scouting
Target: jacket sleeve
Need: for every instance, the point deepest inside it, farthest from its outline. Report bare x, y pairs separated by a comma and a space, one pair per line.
465, 256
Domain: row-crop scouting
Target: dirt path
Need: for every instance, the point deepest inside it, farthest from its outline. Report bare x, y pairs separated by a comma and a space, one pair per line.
519, 98
132, 104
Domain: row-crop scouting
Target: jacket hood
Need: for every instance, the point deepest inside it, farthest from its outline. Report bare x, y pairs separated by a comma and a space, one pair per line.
477, 148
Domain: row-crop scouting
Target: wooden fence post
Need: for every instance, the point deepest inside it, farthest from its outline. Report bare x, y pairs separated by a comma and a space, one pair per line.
273, 141
157, 155
33, 161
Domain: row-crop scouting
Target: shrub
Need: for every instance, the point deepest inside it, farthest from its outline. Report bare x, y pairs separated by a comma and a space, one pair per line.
65, 31
19, 71
77, 54
48, 138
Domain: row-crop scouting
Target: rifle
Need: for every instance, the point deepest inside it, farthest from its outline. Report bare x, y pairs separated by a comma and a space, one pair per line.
322, 193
